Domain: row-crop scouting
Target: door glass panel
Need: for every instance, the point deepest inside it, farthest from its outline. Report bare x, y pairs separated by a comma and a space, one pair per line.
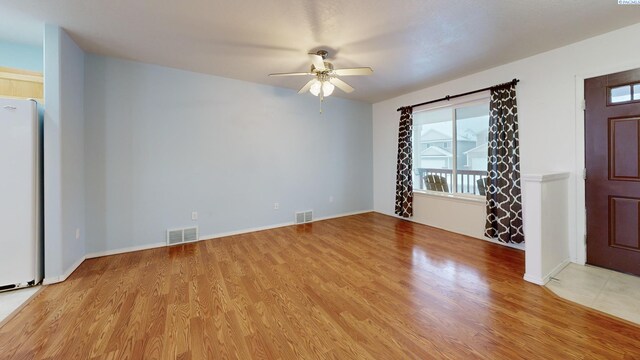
636, 92
621, 94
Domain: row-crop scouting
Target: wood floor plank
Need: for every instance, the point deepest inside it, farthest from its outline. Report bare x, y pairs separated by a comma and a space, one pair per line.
367, 286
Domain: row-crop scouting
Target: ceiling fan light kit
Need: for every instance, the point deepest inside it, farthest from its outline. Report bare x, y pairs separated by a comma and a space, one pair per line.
325, 76
327, 88
315, 87
321, 86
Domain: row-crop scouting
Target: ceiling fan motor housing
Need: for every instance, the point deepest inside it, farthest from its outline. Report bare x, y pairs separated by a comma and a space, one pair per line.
328, 68
323, 53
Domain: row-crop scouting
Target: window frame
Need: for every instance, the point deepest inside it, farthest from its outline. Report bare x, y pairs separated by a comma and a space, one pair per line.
469, 100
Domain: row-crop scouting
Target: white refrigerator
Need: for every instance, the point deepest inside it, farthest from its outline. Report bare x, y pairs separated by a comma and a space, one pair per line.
20, 194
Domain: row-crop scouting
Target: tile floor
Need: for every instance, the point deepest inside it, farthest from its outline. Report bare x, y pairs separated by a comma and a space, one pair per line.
605, 290
12, 300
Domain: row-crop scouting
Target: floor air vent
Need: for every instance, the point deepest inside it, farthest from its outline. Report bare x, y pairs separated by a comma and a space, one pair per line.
304, 217
181, 236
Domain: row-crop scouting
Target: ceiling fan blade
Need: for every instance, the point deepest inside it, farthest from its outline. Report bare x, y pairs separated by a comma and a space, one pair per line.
291, 74
318, 62
354, 71
341, 85
306, 87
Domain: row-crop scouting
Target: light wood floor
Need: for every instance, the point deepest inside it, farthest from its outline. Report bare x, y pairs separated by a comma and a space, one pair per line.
361, 287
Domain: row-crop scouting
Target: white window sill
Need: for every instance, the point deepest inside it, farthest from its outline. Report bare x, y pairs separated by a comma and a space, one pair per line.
449, 196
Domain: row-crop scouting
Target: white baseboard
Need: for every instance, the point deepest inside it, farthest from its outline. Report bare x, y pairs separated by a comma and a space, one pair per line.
72, 268
513, 246
557, 269
268, 227
243, 231
124, 250
534, 279
544, 280
65, 275
344, 214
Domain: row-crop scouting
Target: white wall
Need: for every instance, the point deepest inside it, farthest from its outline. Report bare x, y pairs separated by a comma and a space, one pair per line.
63, 153
161, 143
454, 214
550, 120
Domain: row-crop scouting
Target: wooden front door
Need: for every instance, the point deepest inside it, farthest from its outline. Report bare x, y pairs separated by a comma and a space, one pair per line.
612, 156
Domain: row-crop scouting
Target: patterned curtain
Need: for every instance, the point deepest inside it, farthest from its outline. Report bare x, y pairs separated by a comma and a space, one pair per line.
504, 201
404, 175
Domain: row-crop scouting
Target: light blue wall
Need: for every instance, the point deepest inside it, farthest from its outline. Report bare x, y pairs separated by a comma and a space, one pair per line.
51, 138
21, 56
72, 151
63, 153
161, 143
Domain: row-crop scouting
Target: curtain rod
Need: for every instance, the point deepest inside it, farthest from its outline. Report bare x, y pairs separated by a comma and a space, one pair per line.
449, 97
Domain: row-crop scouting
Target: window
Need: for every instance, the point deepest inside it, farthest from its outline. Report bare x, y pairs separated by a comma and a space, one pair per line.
624, 93
450, 148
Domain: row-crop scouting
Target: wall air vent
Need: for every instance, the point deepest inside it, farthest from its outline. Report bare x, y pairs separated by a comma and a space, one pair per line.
190, 234
304, 217
174, 236
181, 236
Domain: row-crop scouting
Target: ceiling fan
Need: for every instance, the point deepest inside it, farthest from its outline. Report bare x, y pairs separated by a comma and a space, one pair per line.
325, 76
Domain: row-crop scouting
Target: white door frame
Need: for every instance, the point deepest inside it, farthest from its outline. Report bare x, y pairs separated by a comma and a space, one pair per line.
581, 209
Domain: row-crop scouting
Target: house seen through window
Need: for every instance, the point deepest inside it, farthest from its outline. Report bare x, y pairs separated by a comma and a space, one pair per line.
450, 148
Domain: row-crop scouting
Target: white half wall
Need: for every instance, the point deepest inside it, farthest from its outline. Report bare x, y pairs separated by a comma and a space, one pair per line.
161, 143
550, 136
546, 225
63, 153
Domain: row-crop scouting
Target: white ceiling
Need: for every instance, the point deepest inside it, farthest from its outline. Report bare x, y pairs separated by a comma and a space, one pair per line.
410, 44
